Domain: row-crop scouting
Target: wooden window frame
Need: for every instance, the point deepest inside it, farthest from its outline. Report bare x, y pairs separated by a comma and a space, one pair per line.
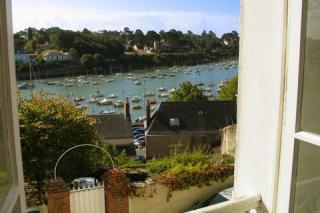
291, 132
15, 198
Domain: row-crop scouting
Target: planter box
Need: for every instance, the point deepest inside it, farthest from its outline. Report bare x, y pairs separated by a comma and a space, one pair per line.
154, 197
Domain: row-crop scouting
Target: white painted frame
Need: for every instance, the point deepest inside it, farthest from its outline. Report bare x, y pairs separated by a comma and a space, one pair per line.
15, 199
293, 91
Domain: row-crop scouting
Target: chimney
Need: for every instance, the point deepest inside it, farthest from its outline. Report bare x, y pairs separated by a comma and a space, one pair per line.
148, 113
126, 109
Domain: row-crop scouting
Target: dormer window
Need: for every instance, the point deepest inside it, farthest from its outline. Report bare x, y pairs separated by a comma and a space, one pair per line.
174, 122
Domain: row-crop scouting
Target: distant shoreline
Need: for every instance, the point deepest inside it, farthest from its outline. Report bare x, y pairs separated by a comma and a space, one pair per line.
74, 70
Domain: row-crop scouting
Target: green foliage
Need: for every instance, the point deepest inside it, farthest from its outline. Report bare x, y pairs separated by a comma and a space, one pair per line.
48, 127
188, 92
87, 61
229, 90
40, 65
174, 47
191, 169
62, 39
98, 60
158, 166
184, 170
30, 46
182, 177
30, 34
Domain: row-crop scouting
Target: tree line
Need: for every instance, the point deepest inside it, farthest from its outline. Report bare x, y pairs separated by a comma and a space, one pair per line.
127, 49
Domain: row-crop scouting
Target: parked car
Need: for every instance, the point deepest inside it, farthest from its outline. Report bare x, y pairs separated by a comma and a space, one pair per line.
84, 182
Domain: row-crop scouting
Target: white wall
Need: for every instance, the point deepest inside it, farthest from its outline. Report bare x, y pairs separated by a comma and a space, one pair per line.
154, 198
262, 42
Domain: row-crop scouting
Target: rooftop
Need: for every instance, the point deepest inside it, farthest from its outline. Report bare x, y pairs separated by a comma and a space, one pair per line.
192, 116
113, 126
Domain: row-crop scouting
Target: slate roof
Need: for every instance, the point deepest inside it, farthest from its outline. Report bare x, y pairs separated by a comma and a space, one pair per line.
113, 126
194, 117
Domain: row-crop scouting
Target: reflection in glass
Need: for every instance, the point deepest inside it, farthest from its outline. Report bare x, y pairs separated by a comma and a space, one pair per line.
310, 111
307, 188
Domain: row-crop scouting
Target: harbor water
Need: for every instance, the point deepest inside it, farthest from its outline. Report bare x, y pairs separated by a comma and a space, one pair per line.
122, 85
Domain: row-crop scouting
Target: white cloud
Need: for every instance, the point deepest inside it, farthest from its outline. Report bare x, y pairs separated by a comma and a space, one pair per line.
95, 19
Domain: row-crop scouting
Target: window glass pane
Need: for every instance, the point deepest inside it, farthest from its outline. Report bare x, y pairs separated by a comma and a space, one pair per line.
307, 188
310, 111
5, 179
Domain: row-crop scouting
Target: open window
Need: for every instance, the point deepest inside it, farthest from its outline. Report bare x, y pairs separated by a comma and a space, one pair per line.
300, 149
11, 180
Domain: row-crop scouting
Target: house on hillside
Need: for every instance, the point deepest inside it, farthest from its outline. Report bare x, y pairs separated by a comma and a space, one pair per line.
24, 58
177, 126
55, 55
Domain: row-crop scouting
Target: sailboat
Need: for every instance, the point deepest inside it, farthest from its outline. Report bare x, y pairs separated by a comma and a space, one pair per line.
211, 84
27, 85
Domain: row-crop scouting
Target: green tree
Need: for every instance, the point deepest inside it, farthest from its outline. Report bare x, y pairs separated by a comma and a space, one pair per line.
74, 54
139, 38
98, 60
49, 126
87, 61
63, 39
30, 46
188, 92
19, 43
229, 90
152, 36
30, 34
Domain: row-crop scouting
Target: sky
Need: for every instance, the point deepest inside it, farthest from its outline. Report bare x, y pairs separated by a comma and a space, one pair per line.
220, 16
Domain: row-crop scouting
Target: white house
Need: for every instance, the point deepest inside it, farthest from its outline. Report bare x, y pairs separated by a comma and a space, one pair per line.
21, 57
55, 55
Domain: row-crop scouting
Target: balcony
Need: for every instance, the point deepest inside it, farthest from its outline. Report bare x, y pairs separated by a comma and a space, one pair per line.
244, 204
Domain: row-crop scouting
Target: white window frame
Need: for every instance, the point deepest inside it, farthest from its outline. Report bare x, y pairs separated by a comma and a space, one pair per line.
292, 106
15, 198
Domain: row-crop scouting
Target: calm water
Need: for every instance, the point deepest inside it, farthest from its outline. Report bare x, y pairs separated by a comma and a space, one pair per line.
123, 87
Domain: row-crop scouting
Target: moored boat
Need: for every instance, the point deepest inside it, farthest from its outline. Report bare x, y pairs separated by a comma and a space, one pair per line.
153, 101
109, 80
97, 94
112, 96
78, 99
148, 94
26, 86
106, 101
107, 112
172, 90
136, 106
82, 106
137, 83
135, 99
163, 95
94, 100
119, 103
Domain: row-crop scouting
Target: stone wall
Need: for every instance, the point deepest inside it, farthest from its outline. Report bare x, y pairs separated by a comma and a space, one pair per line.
228, 139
